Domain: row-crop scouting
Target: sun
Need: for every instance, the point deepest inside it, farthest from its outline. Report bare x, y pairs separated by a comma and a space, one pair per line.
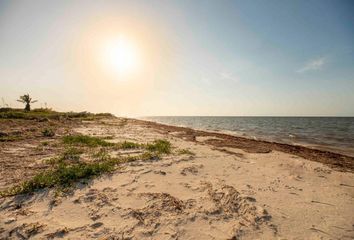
121, 56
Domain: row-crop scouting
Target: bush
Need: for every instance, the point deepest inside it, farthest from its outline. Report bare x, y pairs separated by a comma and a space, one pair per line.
48, 132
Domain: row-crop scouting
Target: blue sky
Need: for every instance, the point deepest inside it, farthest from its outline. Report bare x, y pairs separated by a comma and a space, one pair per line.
284, 58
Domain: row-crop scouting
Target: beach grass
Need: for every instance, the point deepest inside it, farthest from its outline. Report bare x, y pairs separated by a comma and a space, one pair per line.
86, 140
72, 153
63, 175
159, 146
67, 169
129, 145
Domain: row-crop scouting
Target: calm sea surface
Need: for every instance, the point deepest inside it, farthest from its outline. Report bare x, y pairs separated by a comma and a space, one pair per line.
328, 133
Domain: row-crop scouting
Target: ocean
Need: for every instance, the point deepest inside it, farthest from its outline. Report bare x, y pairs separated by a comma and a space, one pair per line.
327, 133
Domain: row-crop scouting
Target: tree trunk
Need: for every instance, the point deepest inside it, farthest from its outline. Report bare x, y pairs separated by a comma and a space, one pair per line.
28, 107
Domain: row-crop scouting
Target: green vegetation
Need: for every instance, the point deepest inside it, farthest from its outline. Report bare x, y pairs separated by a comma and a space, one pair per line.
86, 140
185, 152
70, 167
67, 169
63, 175
72, 154
48, 132
104, 115
108, 137
46, 114
102, 155
9, 138
27, 100
159, 146
129, 145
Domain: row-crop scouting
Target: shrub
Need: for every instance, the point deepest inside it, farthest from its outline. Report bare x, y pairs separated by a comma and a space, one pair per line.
48, 132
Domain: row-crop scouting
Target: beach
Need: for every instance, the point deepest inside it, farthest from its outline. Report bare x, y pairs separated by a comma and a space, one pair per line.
177, 120
210, 186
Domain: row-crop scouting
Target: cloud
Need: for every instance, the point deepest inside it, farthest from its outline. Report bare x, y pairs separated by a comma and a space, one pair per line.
228, 76
313, 65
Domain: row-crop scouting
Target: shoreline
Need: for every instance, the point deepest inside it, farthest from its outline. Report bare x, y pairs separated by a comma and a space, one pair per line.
313, 145
203, 186
335, 160
271, 139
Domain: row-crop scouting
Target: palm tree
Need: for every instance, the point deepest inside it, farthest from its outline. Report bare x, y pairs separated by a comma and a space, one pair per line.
27, 100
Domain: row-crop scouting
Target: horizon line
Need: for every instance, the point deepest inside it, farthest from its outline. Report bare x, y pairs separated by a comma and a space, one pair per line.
285, 116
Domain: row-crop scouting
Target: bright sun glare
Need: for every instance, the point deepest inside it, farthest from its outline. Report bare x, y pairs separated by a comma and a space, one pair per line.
121, 56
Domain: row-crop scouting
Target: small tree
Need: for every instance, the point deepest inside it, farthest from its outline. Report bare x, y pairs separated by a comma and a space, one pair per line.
27, 100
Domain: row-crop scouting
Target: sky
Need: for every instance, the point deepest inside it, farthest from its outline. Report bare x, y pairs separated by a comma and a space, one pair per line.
190, 58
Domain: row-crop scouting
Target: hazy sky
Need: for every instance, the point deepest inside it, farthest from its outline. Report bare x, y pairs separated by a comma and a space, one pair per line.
194, 57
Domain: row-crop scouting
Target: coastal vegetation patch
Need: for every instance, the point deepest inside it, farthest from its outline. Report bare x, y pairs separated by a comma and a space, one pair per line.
129, 145
68, 168
89, 141
45, 114
159, 146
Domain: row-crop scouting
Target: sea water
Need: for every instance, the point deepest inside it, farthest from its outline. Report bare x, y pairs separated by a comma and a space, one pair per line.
327, 133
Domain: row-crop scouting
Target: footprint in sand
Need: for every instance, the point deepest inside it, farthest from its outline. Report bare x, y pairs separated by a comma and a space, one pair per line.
96, 225
26, 231
194, 169
160, 172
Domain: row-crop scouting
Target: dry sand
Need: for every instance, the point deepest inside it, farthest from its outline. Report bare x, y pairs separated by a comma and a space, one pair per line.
224, 191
